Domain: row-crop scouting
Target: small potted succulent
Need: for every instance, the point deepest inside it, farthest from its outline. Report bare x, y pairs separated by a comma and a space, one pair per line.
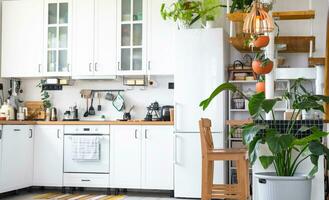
261, 64
260, 85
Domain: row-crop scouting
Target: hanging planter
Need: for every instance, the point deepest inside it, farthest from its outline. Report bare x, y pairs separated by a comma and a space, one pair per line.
262, 65
260, 87
258, 21
259, 41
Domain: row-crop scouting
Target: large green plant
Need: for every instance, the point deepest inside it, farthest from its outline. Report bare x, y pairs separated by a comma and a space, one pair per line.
190, 11
283, 146
44, 95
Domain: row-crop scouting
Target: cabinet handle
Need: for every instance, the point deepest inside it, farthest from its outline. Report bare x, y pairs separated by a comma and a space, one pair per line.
145, 134
119, 67
39, 68
31, 133
90, 65
58, 131
68, 67
136, 134
0, 134
17, 130
149, 65
85, 180
96, 67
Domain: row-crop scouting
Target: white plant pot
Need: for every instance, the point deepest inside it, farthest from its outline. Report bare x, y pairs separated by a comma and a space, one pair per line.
272, 187
210, 24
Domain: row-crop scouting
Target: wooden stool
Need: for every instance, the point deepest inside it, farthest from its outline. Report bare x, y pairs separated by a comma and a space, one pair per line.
239, 191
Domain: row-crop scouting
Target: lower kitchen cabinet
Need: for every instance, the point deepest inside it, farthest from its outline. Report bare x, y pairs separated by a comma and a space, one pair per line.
142, 157
17, 157
48, 155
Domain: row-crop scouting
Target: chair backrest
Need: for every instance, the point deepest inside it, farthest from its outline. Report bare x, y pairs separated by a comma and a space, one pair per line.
206, 137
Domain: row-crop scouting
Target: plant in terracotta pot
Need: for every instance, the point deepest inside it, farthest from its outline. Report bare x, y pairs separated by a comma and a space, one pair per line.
288, 143
260, 85
261, 64
257, 41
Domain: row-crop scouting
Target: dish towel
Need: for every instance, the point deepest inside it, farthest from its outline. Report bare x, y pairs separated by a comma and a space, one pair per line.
85, 148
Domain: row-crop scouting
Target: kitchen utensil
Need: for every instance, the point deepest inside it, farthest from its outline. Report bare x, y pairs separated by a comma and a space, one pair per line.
118, 102
153, 112
86, 93
99, 107
91, 108
165, 113
86, 113
127, 115
109, 96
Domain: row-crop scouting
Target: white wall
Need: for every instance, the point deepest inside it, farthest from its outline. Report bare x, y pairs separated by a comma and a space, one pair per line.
70, 95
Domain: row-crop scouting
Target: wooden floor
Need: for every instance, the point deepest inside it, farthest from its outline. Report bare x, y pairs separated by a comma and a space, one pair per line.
153, 195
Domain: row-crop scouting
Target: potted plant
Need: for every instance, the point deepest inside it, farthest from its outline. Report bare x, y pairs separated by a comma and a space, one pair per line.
210, 11
240, 6
286, 151
261, 64
260, 85
257, 41
45, 98
186, 12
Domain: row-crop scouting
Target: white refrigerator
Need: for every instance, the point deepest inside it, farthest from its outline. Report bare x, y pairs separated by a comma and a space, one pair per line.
200, 60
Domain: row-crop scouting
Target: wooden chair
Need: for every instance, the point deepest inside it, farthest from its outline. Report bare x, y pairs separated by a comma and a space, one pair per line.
239, 191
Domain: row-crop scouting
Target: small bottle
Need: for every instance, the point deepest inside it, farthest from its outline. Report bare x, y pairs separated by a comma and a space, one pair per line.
11, 111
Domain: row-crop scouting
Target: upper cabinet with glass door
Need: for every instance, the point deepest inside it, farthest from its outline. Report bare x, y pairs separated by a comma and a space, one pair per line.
131, 34
58, 32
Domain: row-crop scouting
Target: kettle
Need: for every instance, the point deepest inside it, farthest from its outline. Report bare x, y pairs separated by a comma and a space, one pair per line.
165, 113
53, 114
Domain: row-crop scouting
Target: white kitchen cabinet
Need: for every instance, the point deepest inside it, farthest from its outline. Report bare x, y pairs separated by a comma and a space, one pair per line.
160, 36
22, 38
157, 157
94, 38
142, 157
48, 155
125, 164
57, 37
17, 157
188, 166
131, 36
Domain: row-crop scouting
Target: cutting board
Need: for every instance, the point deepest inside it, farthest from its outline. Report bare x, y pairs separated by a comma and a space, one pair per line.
35, 110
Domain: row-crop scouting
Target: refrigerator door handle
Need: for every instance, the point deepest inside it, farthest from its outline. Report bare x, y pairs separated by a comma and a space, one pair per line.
175, 149
176, 118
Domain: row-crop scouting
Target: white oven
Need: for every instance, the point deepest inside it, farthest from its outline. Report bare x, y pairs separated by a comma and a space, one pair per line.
87, 149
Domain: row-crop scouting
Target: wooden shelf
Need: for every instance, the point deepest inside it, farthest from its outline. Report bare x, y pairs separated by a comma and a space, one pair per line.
284, 15
316, 61
295, 44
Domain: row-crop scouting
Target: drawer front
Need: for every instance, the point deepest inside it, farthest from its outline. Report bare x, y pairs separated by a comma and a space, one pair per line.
87, 129
86, 180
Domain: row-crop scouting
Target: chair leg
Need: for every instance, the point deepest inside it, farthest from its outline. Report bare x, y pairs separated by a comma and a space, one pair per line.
205, 181
243, 178
210, 177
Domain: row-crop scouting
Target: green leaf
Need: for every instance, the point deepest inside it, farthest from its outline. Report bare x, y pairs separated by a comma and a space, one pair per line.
255, 104
316, 135
250, 131
223, 87
273, 142
315, 160
253, 148
268, 104
266, 161
286, 141
304, 128
313, 171
315, 148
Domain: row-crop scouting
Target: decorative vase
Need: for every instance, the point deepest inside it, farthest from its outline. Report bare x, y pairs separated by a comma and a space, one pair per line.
272, 187
210, 24
259, 69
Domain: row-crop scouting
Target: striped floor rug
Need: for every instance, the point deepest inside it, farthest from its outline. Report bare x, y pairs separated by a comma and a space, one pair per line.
60, 196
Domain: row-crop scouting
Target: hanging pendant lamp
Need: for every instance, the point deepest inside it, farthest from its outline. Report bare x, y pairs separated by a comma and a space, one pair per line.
258, 21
